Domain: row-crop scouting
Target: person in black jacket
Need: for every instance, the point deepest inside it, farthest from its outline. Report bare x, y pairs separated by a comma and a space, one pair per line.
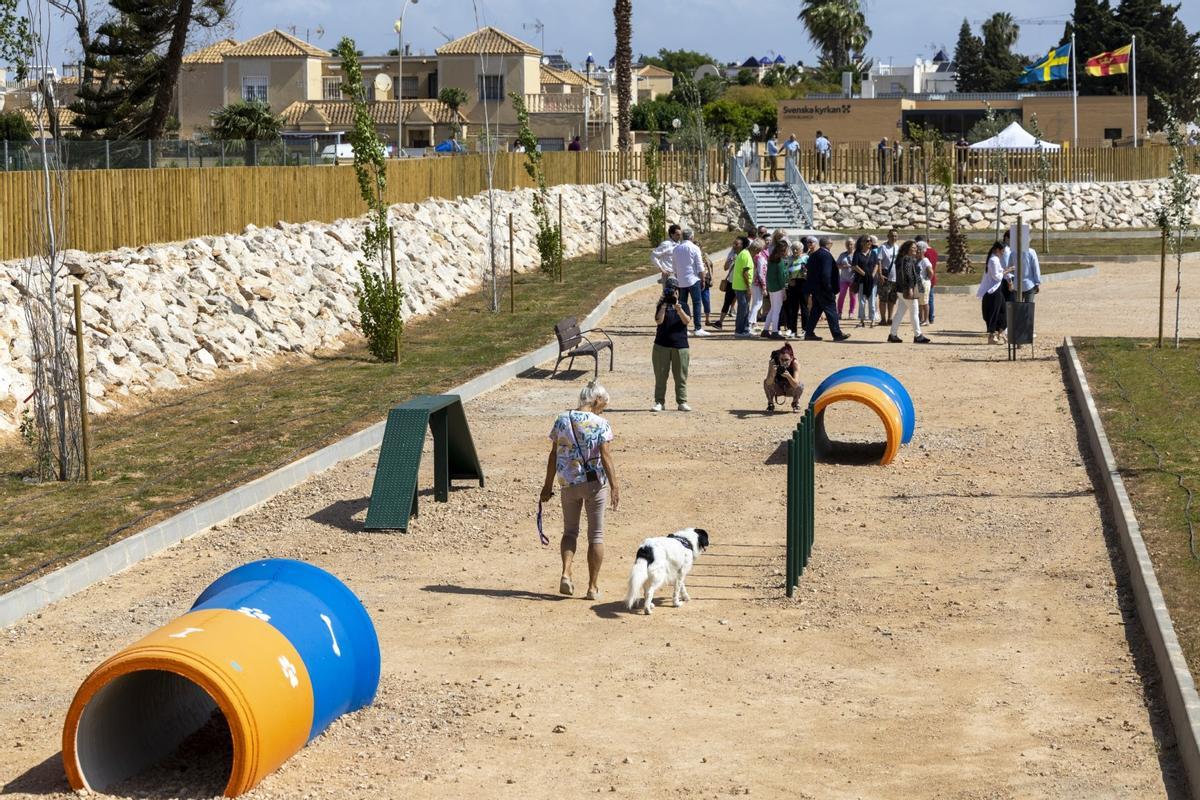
822, 287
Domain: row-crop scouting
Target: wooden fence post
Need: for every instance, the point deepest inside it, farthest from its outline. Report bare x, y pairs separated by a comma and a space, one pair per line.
1162, 288
85, 424
603, 226
392, 248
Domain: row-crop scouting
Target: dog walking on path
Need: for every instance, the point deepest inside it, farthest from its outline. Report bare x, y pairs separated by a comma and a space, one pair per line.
663, 559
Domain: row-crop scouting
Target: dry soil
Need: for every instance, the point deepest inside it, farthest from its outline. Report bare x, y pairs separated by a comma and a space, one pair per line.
963, 631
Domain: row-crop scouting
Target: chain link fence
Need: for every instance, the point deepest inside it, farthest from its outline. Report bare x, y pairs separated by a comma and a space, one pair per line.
174, 153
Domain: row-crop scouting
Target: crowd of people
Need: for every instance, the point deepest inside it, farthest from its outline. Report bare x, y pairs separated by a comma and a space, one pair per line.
776, 288
790, 286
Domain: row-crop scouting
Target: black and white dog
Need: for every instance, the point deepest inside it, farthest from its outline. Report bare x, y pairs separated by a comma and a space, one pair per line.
663, 559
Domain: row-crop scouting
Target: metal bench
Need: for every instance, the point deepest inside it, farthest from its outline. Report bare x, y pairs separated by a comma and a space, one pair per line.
573, 342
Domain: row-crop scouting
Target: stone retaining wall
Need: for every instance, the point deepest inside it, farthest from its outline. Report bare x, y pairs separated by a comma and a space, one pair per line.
1071, 207
162, 316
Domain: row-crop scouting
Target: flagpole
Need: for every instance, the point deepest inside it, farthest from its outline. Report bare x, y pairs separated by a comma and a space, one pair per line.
1133, 58
1074, 91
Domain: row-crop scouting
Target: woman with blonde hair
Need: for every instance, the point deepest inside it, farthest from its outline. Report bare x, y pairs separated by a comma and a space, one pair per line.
581, 458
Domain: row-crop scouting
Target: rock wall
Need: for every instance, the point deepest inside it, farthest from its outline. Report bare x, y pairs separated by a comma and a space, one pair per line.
1072, 206
162, 316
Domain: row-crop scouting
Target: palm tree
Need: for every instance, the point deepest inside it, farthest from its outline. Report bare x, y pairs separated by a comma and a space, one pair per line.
623, 15
1002, 29
246, 121
837, 27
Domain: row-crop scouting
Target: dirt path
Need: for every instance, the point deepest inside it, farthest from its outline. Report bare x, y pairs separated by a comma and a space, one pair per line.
961, 633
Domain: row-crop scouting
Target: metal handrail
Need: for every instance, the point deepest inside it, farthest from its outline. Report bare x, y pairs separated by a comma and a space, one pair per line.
741, 186
799, 189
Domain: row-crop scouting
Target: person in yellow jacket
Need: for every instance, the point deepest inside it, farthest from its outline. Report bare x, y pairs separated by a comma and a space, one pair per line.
743, 275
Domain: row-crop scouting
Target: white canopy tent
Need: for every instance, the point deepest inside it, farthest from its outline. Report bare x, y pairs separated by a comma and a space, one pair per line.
1014, 137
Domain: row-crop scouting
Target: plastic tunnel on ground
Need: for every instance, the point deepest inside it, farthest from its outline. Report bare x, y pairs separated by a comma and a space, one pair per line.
273, 651
879, 391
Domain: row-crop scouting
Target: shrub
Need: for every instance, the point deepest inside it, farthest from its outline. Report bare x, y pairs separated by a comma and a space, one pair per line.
379, 311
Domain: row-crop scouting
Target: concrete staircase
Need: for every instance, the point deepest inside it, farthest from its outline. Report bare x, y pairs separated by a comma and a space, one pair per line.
776, 206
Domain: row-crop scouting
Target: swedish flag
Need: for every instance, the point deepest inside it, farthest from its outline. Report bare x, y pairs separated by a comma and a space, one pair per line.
1056, 65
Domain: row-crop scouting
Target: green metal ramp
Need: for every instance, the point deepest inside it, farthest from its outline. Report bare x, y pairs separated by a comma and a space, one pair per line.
394, 495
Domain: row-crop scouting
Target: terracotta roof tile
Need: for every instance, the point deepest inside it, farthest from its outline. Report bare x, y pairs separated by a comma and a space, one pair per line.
654, 71
488, 41
275, 44
66, 117
340, 113
213, 54
570, 77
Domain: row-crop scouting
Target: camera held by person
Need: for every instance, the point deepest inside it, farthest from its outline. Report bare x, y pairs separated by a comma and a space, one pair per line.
670, 295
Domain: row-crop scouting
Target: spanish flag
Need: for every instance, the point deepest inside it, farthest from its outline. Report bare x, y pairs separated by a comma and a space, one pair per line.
1056, 65
1114, 62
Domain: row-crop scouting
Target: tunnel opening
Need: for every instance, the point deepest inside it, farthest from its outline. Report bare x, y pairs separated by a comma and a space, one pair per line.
152, 731
858, 428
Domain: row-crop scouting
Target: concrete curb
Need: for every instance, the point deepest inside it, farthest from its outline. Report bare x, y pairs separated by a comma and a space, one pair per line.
79, 575
1051, 277
1178, 686
1103, 259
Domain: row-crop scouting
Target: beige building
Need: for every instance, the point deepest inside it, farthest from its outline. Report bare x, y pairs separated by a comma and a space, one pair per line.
303, 83
858, 120
653, 82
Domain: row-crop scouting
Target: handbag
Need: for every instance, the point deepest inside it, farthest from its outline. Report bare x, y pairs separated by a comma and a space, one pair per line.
725, 286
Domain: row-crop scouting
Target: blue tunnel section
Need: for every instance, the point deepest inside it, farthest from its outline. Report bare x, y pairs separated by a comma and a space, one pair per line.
323, 620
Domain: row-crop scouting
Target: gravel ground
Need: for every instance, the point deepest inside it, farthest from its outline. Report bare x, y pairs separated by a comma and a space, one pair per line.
963, 631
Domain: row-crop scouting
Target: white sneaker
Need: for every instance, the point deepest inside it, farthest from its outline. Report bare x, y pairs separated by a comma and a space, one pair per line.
701, 332
656, 407
684, 407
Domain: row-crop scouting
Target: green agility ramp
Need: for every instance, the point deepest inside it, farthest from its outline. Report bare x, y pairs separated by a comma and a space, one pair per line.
394, 495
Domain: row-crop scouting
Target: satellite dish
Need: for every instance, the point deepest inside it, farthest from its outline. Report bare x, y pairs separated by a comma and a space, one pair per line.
383, 83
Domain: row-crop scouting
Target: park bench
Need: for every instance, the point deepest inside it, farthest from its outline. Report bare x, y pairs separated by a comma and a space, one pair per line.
573, 342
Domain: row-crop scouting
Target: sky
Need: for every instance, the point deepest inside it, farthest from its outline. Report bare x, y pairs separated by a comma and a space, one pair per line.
731, 30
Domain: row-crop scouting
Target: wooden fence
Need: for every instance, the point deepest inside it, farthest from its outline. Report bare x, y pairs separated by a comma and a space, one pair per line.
864, 164
133, 207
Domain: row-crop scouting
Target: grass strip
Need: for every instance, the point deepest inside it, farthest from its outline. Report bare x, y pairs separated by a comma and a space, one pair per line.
972, 278
1149, 401
190, 445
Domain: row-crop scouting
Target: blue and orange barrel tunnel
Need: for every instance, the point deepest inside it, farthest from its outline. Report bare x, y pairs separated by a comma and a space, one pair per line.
879, 391
278, 648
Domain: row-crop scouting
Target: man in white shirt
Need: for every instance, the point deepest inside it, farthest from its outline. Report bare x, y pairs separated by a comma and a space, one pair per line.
887, 268
791, 147
1031, 274
823, 150
661, 255
688, 263
772, 157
